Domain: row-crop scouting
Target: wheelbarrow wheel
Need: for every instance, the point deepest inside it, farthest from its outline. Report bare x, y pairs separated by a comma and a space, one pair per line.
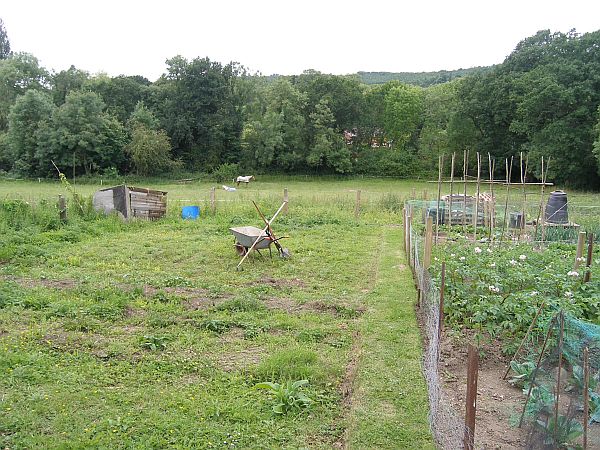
240, 249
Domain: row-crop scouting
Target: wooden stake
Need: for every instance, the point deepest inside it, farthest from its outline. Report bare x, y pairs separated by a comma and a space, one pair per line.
508, 177
451, 192
544, 178
62, 208
579, 254
413, 194
471, 402
286, 200
357, 204
465, 172
439, 194
476, 218
540, 210
491, 207
514, 358
428, 239
560, 350
441, 313
523, 182
213, 203
425, 194
588, 262
586, 395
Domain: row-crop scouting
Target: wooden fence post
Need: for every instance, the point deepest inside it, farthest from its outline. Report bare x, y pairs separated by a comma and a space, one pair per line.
586, 395
588, 262
62, 208
580, 244
404, 226
357, 204
428, 240
441, 311
471, 402
410, 242
213, 204
285, 199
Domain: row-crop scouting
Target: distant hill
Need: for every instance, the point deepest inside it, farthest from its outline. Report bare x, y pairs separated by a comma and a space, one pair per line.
419, 78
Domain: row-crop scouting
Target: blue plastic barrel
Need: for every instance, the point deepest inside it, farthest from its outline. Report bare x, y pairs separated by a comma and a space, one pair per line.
190, 212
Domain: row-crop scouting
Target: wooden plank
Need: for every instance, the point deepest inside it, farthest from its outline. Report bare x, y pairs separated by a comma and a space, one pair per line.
471, 402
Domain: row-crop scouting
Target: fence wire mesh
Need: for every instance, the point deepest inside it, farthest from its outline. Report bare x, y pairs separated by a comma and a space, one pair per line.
446, 425
548, 426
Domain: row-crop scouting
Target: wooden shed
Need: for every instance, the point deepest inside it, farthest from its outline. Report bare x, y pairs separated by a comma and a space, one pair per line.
131, 201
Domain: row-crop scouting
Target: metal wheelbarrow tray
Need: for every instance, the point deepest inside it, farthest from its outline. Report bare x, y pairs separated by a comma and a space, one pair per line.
245, 236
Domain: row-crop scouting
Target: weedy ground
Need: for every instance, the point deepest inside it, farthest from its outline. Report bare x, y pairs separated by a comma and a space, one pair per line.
143, 334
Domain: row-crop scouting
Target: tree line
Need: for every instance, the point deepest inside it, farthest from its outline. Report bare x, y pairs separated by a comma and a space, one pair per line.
200, 114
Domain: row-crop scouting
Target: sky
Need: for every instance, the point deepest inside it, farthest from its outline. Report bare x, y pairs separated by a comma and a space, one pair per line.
133, 37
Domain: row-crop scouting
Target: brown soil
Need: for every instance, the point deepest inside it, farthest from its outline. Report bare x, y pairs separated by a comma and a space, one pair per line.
497, 400
291, 306
272, 282
196, 303
240, 359
347, 386
31, 283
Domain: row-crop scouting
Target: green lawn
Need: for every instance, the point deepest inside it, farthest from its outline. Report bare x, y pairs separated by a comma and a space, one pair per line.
143, 334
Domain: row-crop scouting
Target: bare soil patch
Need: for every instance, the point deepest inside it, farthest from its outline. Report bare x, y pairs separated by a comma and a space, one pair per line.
497, 400
291, 306
32, 283
281, 283
240, 359
347, 386
196, 303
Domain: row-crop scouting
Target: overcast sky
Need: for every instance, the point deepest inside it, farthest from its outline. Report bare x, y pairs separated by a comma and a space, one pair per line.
134, 37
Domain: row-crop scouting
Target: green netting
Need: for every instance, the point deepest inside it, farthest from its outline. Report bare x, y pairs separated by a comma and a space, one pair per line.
554, 410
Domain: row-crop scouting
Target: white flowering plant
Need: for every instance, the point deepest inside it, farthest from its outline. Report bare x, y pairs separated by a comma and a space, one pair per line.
499, 292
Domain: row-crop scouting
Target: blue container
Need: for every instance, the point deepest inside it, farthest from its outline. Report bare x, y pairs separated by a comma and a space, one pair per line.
190, 212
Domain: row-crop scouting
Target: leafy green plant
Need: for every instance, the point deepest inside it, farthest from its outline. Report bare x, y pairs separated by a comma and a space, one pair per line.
560, 433
154, 343
577, 381
226, 173
541, 401
522, 373
215, 325
594, 407
288, 396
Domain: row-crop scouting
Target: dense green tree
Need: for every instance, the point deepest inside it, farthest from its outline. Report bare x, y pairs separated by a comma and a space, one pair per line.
542, 100
83, 136
142, 115
66, 81
32, 111
439, 107
150, 151
120, 94
4, 42
18, 73
402, 114
327, 148
344, 96
199, 107
262, 140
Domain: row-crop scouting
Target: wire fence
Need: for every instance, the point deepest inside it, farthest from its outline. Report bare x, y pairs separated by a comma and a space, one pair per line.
548, 423
447, 427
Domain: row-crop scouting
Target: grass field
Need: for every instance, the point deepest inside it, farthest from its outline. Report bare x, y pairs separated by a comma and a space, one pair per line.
143, 334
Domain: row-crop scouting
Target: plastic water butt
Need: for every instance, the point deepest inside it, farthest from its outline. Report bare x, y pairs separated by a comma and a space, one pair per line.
190, 212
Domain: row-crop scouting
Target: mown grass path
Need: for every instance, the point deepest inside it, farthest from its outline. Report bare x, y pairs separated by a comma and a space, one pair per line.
389, 404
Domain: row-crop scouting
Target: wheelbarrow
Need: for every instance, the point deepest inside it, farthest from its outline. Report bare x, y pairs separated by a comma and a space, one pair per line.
251, 238
245, 238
